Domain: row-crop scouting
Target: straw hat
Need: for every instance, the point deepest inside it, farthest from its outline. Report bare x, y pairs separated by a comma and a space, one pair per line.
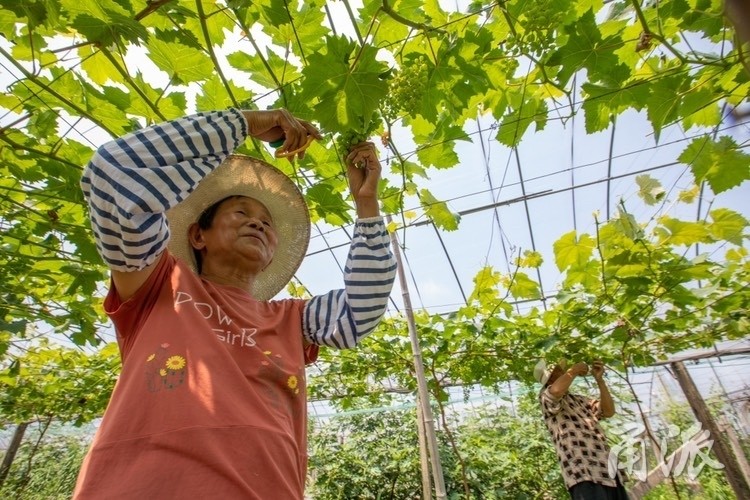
542, 372
242, 175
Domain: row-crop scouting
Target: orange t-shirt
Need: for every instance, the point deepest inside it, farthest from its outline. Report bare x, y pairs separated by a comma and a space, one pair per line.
211, 401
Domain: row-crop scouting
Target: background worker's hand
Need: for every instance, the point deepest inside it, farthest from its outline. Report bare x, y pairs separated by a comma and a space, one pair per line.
363, 170
275, 124
580, 368
597, 369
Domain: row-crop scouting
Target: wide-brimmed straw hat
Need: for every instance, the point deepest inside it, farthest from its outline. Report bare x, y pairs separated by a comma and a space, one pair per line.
241, 175
542, 372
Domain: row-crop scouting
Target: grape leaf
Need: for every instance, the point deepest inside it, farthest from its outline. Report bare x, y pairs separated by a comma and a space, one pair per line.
215, 96
327, 204
700, 108
586, 49
530, 259
663, 103
516, 122
523, 287
678, 232
438, 211
720, 163
283, 70
689, 195
603, 102
184, 64
651, 190
573, 251
307, 29
728, 225
347, 97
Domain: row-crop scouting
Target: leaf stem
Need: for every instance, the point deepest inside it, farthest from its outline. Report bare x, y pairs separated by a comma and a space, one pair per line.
74, 46
131, 82
45, 154
296, 35
263, 60
48, 88
210, 50
14, 122
683, 59
362, 44
608, 298
386, 7
150, 7
401, 160
354, 21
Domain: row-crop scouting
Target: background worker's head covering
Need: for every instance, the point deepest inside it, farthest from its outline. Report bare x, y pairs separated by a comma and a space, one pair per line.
542, 372
242, 175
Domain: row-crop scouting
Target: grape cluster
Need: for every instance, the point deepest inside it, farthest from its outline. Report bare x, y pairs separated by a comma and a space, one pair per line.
346, 140
540, 20
508, 65
406, 89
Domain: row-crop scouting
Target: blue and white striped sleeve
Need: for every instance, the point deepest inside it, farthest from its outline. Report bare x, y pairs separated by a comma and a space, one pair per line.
132, 181
341, 318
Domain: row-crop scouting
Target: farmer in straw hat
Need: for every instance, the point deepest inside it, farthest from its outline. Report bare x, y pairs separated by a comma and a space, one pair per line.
573, 422
211, 399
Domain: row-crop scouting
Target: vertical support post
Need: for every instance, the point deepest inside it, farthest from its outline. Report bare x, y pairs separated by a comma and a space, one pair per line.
424, 457
424, 395
734, 442
702, 413
10, 453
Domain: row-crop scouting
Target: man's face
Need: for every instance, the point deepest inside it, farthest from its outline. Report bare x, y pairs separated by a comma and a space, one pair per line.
242, 232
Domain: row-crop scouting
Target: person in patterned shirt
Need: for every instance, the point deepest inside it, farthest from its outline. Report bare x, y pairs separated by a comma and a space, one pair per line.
211, 398
573, 422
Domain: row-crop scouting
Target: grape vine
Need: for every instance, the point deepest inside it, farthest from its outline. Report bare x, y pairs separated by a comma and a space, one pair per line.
405, 91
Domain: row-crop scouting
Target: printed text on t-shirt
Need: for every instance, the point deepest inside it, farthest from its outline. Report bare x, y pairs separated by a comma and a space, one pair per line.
234, 336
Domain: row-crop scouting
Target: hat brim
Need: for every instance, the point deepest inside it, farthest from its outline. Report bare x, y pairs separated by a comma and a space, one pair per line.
542, 372
241, 175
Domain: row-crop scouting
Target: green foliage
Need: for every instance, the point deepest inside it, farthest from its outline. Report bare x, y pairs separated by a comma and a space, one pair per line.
54, 382
720, 163
509, 455
711, 483
631, 296
651, 190
48, 472
374, 454
346, 97
366, 456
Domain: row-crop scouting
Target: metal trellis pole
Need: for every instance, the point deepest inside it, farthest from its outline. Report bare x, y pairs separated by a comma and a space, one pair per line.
424, 395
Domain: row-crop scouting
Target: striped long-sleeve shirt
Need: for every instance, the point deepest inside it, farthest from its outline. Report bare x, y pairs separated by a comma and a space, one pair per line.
131, 182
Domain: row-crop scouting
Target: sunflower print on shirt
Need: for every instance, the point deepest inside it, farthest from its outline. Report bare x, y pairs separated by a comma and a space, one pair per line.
165, 370
281, 386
